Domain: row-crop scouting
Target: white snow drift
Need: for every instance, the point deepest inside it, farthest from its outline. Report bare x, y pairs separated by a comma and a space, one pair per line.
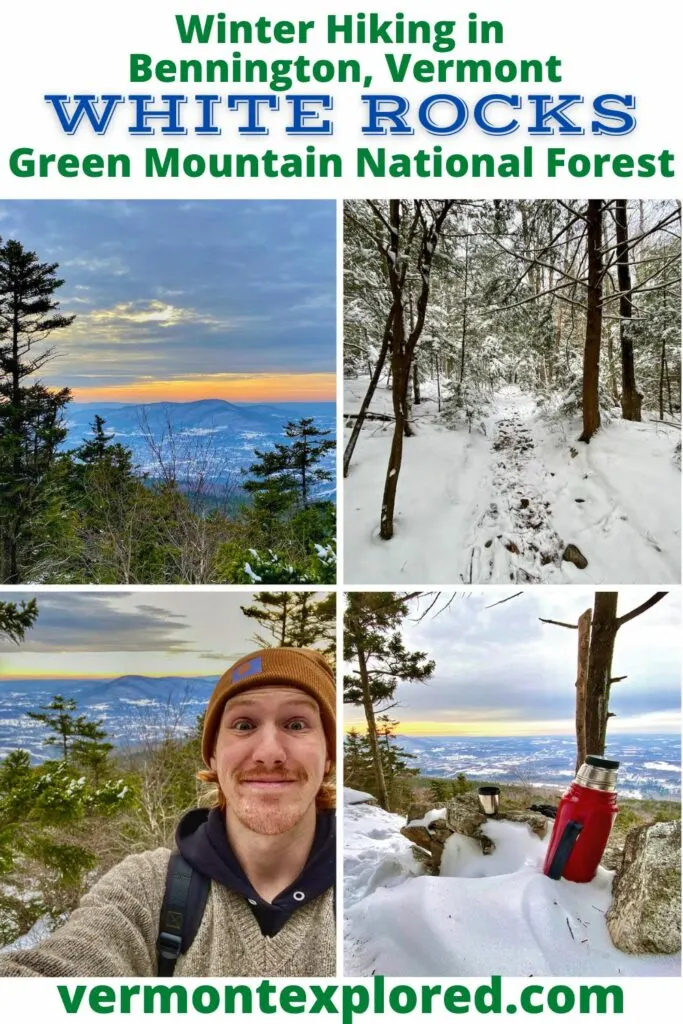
485, 915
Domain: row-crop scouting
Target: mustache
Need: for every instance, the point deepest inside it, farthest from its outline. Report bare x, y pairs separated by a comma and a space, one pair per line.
298, 774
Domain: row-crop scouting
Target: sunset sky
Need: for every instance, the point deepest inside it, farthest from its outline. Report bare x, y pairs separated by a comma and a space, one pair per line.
96, 634
177, 301
500, 671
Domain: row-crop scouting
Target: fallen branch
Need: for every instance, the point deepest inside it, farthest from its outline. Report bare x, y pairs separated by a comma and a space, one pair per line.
384, 417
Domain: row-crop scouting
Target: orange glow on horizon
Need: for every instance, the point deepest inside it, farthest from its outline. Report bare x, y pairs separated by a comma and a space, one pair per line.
40, 677
472, 728
231, 387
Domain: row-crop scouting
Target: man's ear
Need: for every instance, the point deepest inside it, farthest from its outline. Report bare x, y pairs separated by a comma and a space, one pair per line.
212, 764
328, 768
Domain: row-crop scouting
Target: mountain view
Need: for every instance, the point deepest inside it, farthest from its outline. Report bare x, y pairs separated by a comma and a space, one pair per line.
131, 708
223, 434
650, 765
167, 392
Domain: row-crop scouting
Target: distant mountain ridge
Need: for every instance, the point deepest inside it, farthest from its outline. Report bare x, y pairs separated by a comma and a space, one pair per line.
221, 435
650, 764
129, 706
126, 418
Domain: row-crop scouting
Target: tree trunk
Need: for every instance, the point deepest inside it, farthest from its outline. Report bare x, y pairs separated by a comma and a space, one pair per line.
438, 384
581, 683
604, 628
591, 354
463, 337
284, 622
403, 349
12, 540
662, 362
382, 792
386, 523
416, 385
630, 398
369, 394
304, 482
612, 373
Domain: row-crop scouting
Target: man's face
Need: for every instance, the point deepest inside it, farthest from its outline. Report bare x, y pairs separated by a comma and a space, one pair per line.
270, 757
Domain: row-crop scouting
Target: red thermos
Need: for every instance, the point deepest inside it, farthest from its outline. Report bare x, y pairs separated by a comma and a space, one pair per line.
583, 823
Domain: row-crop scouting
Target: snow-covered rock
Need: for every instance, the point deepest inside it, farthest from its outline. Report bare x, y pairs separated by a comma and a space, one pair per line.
645, 914
355, 796
497, 914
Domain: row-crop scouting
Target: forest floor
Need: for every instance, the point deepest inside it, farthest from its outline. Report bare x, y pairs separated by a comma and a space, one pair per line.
481, 916
500, 504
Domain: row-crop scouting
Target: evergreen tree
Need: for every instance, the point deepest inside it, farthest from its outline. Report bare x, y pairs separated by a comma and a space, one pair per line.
31, 427
41, 808
272, 612
298, 619
90, 750
285, 474
374, 646
80, 740
359, 770
15, 619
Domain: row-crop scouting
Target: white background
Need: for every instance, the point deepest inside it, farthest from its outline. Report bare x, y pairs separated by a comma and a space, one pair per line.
77, 46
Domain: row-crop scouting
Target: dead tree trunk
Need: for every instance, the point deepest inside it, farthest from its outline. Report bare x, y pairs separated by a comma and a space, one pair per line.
597, 631
631, 400
604, 629
591, 353
372, 387
581, 684
603, 635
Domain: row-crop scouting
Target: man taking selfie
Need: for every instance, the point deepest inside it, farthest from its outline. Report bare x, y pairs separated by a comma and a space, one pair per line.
250, 890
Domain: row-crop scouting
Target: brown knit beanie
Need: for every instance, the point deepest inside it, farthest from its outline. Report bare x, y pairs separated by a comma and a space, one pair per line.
275, 666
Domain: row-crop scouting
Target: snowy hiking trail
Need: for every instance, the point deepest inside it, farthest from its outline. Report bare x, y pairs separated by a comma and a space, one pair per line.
501, 504
497, 914
513, 538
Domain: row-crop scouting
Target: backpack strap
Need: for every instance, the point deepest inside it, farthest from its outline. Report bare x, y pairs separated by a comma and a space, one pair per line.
181, 912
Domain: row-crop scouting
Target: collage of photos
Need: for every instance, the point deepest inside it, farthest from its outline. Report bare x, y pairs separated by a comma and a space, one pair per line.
452, 752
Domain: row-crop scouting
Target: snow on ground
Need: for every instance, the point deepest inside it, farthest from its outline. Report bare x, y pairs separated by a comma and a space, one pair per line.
356, 796
500, 504
492, 915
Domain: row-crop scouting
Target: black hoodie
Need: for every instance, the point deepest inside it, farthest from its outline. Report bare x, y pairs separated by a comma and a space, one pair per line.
202, 839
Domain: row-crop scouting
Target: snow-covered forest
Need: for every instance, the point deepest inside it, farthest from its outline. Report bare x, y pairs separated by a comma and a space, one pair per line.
512, 377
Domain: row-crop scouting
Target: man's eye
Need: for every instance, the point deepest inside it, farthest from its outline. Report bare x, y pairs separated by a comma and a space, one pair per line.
242, 726
297, 724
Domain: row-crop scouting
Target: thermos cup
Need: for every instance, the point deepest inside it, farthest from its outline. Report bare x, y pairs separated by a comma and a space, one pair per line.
489, 799
583, 823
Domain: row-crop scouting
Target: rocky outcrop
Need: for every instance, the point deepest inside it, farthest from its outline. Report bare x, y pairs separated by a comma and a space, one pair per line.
645, 913
614, 852
463, 817
538, 823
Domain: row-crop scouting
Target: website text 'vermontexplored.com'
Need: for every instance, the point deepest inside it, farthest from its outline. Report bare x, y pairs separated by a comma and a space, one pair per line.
347, 1000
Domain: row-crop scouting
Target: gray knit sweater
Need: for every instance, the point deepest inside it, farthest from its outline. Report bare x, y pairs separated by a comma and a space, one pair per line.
113, 933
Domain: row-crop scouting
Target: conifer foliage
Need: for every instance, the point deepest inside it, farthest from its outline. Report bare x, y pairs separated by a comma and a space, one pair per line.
31, 416
374, 646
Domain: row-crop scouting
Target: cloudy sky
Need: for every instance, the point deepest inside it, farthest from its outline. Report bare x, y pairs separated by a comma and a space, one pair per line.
187, 300
500, 671
96, 634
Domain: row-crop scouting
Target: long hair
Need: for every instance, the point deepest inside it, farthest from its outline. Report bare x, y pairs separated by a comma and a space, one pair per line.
326, 797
